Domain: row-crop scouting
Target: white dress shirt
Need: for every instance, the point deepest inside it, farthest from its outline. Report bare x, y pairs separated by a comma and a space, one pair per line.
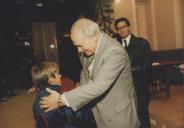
127, 40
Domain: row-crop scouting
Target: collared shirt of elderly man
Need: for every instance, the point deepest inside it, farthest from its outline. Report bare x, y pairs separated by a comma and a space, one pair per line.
106, 81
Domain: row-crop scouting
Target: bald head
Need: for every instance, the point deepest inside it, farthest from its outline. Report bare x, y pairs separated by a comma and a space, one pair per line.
85, 34
84, 28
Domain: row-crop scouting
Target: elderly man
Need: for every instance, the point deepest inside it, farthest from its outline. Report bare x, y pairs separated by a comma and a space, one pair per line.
106, 81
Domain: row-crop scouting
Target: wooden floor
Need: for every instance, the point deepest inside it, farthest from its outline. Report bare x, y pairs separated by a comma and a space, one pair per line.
168, 112
17, 111
165, 112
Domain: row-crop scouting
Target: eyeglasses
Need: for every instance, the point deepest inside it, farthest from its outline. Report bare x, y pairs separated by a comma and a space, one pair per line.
122, 27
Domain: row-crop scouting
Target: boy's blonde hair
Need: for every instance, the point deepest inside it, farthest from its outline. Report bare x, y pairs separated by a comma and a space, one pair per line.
42, 71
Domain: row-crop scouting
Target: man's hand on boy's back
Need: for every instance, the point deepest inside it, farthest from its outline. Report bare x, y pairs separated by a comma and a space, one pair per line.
50, 102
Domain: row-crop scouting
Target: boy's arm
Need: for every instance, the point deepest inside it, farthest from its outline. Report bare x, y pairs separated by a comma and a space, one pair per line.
32, 90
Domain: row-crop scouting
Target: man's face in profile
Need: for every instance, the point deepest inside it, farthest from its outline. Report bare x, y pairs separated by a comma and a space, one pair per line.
123, 29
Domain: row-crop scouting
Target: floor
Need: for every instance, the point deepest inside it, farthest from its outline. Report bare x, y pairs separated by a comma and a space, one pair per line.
165, 112
168, 112
17, 111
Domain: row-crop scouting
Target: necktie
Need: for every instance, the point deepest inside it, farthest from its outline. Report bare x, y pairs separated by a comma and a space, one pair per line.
125, 44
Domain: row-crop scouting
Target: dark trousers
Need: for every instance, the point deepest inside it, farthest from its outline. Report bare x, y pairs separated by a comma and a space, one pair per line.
143, 97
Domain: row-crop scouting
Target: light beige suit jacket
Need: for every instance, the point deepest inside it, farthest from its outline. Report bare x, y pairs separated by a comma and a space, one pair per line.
110, 87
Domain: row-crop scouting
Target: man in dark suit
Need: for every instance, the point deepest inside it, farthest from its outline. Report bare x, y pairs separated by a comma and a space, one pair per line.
141, 59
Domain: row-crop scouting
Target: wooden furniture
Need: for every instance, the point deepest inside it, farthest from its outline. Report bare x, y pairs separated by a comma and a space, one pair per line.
162, 67
160, 80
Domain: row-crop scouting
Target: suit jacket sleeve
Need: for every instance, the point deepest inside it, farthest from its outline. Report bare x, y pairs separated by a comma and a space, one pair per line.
147, 55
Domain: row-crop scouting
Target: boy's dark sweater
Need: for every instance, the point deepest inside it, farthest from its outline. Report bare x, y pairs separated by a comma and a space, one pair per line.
62, 117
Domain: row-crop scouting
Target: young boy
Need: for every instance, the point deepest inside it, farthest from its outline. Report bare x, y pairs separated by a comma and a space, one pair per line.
46, 75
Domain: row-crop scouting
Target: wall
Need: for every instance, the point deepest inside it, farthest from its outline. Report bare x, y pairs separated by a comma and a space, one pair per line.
182, 15
126, 8
162, 21
151, 24
178, 22
165, 25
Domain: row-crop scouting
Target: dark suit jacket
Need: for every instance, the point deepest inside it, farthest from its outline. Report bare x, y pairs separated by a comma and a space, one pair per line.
141, 58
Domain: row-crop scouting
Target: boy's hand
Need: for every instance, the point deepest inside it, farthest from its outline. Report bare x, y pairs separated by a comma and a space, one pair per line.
31, 90
50, 102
